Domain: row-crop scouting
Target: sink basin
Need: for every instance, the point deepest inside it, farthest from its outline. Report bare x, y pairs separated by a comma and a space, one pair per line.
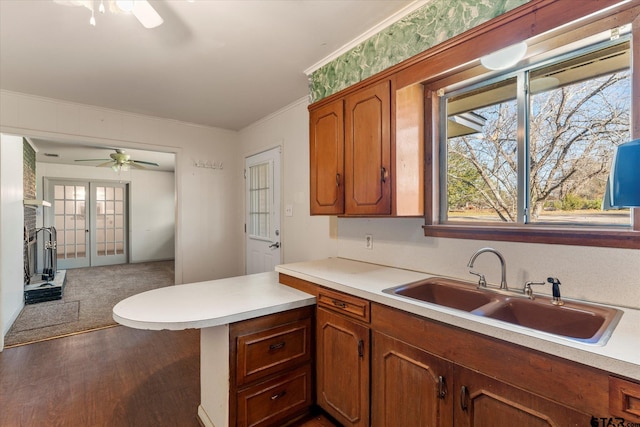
580, 322
446, 292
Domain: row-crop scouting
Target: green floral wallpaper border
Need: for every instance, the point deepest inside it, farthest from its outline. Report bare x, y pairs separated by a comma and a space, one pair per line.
433, 23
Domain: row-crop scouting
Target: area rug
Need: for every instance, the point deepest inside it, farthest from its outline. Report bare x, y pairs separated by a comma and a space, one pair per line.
88, 300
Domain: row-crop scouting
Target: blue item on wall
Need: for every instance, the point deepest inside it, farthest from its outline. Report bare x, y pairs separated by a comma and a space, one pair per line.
624, 180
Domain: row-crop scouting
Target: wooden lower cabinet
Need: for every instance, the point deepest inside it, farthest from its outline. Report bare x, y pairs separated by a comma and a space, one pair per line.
271, 402
428, 373
271, 365
409, 386
342, 368
486, 402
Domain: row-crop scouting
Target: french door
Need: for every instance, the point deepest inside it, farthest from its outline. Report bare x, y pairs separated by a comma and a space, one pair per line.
91, 222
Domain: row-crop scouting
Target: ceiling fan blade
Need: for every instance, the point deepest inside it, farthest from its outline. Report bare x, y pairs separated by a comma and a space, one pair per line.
146, 14
91, 160
109, 164
144, 163
135, 165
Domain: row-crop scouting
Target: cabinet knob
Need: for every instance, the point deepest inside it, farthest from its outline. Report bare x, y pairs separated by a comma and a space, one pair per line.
337, 180
383, 174
361, 349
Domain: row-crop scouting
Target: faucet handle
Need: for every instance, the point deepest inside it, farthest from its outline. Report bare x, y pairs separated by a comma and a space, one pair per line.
482, 282
527, 288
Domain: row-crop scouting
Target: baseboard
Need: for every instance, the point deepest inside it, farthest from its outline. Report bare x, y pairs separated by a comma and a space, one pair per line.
10, 323
204, 419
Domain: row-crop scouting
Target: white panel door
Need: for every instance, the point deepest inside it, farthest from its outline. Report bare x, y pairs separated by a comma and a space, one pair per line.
262, 216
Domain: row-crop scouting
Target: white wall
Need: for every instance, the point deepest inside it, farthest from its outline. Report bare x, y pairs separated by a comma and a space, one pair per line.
152, 207
304, 237
209, 230
11, 232
605, 275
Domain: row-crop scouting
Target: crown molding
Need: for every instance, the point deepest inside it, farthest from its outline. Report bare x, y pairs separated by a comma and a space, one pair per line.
368, 34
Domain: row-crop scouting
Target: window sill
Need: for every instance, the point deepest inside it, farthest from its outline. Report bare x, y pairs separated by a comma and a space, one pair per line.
626, 239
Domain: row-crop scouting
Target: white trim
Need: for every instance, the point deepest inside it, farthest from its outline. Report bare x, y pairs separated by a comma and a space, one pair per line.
368, 34
303, 100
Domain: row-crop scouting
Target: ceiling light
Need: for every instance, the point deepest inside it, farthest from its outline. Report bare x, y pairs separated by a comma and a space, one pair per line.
146, 14
125, 5
504, 58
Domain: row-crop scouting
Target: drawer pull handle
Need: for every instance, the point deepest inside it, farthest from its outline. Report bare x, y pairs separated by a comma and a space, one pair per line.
278, 395
276, 346
339, 303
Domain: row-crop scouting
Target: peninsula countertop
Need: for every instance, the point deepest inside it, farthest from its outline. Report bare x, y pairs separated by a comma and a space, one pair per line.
619, 355
209, 303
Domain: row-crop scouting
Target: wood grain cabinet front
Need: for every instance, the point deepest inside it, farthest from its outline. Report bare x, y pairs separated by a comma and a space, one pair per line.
271, 368
326, 148
272, 350
270, 402
342, 370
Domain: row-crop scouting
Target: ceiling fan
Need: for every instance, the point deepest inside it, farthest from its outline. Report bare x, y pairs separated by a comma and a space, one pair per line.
120, 161
141, 9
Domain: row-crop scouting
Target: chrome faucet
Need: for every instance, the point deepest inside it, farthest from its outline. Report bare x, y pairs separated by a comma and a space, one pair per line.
503, 265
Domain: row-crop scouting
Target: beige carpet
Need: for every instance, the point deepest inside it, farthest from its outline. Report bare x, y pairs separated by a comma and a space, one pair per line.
88, 298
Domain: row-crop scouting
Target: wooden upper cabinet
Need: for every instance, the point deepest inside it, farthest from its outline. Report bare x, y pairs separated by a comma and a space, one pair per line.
326, 149
368, 151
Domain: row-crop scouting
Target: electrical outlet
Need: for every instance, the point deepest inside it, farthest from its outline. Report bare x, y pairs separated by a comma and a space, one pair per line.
368, 241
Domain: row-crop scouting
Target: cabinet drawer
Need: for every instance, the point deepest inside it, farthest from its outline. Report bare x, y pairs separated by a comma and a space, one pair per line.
270, 402
345, 304
624, 399
271, 350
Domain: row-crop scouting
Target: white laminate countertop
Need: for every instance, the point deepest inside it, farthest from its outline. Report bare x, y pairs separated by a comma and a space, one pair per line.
620, 355
210, 303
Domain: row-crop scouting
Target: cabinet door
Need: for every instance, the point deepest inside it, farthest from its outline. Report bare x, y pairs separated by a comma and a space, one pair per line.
487, 402
343, 368
326, 153
409, 386
368, 151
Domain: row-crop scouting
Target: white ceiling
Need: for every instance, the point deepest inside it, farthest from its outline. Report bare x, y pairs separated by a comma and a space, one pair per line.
222, 63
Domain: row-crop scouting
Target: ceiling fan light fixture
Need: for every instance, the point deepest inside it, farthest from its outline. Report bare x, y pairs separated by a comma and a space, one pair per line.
505, 58
125, 5
146, 14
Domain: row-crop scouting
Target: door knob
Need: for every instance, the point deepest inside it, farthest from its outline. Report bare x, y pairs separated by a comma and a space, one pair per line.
275, 245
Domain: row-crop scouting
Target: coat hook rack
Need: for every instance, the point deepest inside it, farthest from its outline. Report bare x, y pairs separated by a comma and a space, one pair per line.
208, 164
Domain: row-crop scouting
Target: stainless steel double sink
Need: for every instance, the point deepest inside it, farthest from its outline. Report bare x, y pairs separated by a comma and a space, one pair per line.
576, 321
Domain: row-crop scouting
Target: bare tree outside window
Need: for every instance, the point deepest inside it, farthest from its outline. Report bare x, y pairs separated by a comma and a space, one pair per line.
577, 113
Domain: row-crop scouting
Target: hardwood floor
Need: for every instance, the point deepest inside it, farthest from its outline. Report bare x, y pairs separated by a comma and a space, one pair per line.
112, 377
115, 377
